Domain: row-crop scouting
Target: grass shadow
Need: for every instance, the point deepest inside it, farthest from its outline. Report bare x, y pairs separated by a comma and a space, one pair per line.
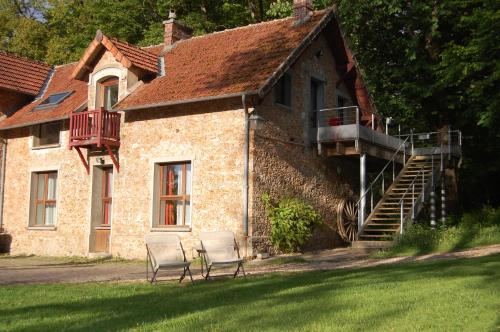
349, 299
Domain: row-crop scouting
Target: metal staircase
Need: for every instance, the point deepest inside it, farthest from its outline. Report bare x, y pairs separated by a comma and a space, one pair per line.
422, 159
402, 200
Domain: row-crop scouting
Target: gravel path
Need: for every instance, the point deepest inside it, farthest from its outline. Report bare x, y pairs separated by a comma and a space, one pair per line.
31, 270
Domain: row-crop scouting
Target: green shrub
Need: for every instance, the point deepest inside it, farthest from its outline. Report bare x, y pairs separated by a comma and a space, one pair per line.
292, 222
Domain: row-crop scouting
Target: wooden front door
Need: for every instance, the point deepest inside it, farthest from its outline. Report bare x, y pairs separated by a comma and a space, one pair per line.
102, 217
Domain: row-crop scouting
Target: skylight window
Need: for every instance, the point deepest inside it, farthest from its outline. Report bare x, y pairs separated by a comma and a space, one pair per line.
53, 100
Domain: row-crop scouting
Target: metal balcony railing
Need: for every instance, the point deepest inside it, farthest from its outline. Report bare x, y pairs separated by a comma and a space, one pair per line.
351, 123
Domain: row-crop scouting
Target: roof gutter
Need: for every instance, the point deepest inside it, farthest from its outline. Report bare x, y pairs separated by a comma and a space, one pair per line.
246, 158
26, 124
189, 101
3, 144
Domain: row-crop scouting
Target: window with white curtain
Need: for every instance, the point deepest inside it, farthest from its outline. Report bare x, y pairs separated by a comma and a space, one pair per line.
43, 199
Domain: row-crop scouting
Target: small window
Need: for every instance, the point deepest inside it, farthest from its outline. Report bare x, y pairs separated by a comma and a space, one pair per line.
43, 199
46, 134
283, 91
317, 100
53, 100
108, 93
172, 194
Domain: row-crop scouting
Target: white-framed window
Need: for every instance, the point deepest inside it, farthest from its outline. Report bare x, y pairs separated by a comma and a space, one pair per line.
47, 134
107, 92
43, 199
172, 195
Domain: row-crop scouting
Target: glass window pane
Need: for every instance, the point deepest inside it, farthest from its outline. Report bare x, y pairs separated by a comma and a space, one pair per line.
49, 133
52, 186
170, 213
40, 190
39, 214
107, 213
161, 221
110, 96
109, 182
172, 180
50, 214
188, 179
188, 213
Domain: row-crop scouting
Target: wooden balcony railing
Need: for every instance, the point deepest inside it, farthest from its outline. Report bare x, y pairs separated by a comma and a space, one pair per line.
94, 128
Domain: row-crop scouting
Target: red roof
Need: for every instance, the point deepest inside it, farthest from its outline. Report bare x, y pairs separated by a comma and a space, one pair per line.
242, 60
22, 75
59, 82
128, 55
223, 63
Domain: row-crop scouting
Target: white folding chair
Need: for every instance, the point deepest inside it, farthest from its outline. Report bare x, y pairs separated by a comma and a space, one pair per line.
220, 249
165, 251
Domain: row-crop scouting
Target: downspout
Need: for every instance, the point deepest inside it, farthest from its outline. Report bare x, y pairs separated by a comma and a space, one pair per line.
3, 143
246, 157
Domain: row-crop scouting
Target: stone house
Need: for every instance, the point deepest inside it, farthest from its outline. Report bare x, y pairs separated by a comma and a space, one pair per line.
180, 137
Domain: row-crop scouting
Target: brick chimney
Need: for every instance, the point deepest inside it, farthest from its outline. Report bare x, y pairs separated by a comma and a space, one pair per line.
302, 10
174, 30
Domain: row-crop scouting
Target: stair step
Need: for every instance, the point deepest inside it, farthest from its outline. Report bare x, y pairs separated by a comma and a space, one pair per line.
385, 219
371, 244
379, 229
382, 224
375, 236
404, 188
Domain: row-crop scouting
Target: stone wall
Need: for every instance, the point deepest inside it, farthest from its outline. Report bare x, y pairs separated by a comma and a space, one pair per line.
286, 164
68, 237
210, 135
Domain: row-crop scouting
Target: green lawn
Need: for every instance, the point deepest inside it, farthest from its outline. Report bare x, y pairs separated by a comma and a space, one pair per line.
454, 295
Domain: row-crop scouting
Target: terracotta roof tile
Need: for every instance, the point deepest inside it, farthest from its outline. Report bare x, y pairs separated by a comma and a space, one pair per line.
128, 55
139, 57
222, 63
59, 82
23, 75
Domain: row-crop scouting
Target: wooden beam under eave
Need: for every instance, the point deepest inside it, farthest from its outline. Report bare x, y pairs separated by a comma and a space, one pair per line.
82, 66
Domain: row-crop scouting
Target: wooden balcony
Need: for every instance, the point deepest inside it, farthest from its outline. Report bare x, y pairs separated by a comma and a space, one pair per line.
95, 128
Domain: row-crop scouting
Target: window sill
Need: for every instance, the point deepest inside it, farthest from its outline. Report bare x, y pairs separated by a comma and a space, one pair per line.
171, 229
48, 146
41, 228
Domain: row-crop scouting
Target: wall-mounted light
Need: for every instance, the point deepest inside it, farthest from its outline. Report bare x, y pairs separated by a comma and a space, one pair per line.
100, 160
256, 121
319, 53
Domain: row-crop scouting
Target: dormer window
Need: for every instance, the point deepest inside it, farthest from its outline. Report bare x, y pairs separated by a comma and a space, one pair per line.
107, 93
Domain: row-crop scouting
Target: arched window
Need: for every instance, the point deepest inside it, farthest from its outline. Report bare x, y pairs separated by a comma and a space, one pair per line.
107, 92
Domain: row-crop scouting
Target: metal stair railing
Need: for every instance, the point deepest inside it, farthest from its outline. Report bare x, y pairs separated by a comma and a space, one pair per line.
417, 203
380, 177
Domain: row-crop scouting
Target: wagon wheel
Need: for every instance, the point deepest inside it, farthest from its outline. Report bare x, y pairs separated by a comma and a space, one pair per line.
348, 220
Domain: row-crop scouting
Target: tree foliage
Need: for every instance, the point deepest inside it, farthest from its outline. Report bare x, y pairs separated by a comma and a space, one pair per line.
427, 63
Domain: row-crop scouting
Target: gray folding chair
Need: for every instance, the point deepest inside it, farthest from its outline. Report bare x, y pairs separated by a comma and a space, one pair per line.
220, 249
165, 251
